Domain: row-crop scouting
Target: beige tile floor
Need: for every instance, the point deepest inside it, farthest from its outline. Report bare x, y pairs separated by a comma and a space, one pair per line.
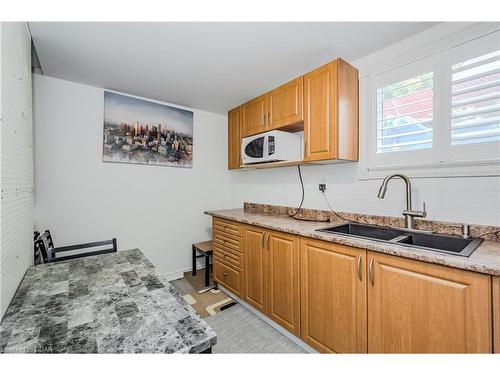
241, 331
238, 329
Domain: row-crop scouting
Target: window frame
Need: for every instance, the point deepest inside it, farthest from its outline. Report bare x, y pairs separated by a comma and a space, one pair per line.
444, 159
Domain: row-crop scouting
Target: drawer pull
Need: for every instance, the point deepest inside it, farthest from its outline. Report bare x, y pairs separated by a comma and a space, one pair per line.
225, 273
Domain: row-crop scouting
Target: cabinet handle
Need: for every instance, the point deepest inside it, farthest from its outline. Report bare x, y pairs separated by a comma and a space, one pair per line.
267, 242
264, 119
370, 272
305, 149
360, 263
225, 273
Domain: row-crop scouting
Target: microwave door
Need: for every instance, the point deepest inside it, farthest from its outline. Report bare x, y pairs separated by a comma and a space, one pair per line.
254, 151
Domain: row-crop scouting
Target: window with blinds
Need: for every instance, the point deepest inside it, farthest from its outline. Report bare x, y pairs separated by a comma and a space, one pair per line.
404, 115
475, 100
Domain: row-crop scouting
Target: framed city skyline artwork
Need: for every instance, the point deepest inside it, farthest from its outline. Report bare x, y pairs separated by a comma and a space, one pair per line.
140, 131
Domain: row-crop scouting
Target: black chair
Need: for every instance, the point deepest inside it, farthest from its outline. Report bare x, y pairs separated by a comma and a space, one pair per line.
44, 248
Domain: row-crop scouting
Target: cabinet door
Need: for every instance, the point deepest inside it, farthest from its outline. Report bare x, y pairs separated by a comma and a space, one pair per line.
285, 104
333, 296
234, 138
418, 307
320, 110
253, 116
496, 314
283, 280
255, 267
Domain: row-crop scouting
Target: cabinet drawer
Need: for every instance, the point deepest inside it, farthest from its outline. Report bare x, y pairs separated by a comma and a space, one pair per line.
229, 243
233, 258
225, 227
227, 276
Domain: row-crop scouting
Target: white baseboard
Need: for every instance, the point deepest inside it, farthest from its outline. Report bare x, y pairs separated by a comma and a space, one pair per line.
271, 322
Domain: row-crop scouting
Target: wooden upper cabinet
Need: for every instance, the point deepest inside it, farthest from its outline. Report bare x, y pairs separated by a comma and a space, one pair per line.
283, 280
255, 295
418, 307
284, 104
331, 112
333, 296
234, 138
254, 116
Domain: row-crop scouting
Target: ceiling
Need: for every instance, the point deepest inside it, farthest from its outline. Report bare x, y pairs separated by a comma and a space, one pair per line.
207, 66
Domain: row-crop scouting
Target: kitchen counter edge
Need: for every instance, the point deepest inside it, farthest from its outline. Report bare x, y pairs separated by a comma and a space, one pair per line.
485, 259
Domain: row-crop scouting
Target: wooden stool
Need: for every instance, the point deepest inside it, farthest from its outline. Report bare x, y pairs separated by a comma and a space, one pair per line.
205, 248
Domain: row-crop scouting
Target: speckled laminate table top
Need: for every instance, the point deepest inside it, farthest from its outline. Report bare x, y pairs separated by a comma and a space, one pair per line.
485, 259
110, 303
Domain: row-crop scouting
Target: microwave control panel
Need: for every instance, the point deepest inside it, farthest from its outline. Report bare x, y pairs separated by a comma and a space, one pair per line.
270, 145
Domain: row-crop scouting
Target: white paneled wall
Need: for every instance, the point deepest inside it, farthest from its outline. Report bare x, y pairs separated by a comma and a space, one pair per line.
16, 155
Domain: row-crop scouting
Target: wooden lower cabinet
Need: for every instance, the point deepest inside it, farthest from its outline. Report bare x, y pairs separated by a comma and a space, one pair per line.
283, 280
255, 272
496, 313
333, 296
272, 275
418, 307
341, 299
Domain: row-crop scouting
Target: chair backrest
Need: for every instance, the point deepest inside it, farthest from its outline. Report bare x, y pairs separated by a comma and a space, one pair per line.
47, 237
38, 256
44, 245
46, 252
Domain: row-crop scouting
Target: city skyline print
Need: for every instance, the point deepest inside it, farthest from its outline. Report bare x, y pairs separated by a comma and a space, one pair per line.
139, 131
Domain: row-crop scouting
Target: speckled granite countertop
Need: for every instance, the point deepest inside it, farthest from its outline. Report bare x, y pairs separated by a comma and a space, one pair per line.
110, 303
485, 259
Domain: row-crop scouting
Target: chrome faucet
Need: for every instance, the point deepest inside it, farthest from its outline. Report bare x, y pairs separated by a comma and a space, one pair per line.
409, 213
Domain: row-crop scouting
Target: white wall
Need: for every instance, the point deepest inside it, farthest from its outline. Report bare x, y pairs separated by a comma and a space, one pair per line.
468, 200
16, 154
80, 198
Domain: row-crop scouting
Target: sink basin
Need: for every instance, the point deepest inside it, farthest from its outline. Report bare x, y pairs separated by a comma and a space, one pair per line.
440, 242
362, 230
426, 241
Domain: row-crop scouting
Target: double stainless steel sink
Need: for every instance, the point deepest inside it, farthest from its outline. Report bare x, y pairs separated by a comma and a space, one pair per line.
442, 243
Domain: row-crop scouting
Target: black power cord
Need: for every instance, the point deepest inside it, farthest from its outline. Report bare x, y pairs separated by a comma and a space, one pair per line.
294, 215
303, 194
335, 213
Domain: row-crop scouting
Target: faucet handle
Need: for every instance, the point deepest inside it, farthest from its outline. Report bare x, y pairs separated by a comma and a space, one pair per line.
416, 213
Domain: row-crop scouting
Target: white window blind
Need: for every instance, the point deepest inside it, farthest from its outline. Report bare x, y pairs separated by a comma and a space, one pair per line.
440, 110
404, 114
475, 100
